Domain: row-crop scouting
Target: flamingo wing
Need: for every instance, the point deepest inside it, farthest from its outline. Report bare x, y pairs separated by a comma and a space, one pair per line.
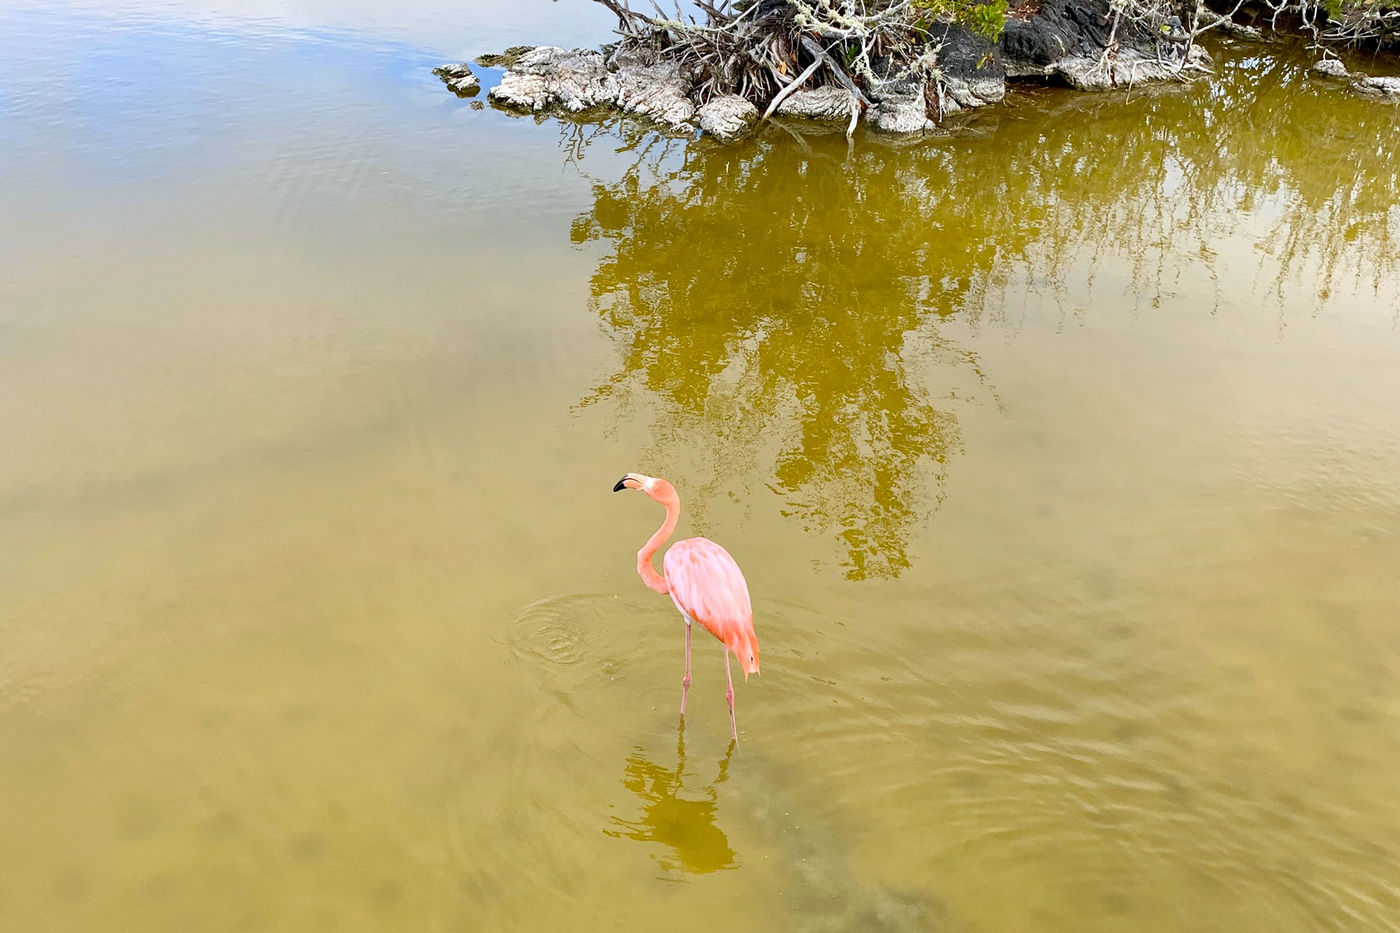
708, 587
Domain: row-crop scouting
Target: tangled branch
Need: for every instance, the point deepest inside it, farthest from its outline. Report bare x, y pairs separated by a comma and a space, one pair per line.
765, 50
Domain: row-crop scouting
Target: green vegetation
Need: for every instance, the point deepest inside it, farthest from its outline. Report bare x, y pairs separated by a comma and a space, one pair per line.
986, 19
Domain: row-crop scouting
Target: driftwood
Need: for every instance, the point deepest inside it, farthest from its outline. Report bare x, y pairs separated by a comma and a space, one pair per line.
765, 51
902, 65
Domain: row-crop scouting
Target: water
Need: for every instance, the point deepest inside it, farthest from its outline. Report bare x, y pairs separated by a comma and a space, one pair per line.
1060, 454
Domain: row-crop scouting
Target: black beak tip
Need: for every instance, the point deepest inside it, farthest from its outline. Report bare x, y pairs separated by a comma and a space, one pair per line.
620, 485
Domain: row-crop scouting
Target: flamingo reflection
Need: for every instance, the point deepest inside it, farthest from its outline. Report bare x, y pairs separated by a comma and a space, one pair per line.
680, 819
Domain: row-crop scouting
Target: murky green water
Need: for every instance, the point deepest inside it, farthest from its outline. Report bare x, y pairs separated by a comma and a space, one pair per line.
1062, 456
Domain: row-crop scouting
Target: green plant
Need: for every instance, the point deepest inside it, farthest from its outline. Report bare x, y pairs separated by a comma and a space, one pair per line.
985, 18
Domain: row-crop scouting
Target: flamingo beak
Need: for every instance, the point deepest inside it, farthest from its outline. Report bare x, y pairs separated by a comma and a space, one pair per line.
621, 485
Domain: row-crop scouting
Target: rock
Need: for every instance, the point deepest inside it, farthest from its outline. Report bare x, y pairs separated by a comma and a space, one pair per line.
504, 59
459, 79
1058, 30
827, 104
1129, 67
1360, 83
1067, 38
977, 92
1329, 68
466, 86
899, 116
727, 118
899, 106
972, 73
1240, 31
581, 79
654, 89
1380, 87
549, 76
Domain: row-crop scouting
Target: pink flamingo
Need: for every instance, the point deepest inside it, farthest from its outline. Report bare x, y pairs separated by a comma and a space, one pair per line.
705, 584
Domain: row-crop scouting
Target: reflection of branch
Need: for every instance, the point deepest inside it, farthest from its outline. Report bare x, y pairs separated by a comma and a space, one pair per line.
806, 370
769, 302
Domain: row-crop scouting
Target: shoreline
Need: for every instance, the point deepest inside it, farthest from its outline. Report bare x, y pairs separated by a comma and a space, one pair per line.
1081, 44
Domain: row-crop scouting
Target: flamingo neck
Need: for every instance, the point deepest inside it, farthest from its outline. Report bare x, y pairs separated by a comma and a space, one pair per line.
649, 575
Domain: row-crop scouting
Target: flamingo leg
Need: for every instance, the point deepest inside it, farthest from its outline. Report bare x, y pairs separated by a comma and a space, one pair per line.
729, 697
685, 681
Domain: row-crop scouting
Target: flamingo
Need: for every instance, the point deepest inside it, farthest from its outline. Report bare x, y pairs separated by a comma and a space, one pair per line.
705, 584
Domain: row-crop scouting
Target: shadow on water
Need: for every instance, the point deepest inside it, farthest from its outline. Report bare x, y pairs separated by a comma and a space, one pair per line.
678, 818
807, 315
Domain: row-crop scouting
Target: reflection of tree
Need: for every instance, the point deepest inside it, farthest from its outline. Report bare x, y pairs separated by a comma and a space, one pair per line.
1304, 172
683, 825
747, 291
790, 306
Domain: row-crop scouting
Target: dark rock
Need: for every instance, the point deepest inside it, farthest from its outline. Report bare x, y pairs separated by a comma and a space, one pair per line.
1068, 38
967, 56
1059, 29
504, 59
970, 74
973, 73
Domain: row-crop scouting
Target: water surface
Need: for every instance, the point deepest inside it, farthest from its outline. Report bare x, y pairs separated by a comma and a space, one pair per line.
1062, 454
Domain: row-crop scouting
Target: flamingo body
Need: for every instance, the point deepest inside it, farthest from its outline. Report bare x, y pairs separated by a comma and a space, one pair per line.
704, 582
708, 587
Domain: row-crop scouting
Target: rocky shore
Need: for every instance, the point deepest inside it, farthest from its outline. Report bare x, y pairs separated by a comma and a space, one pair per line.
1364, 84
1086, 44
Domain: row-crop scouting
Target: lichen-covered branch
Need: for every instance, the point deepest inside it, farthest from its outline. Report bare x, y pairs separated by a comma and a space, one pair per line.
770, 51
899, 65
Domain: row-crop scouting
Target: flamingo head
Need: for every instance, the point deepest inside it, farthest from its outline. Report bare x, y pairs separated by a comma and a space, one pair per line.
659, 489
744, 644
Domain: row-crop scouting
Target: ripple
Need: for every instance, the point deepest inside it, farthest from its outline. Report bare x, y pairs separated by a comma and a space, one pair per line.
587, 641
1036, 740
552, 641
